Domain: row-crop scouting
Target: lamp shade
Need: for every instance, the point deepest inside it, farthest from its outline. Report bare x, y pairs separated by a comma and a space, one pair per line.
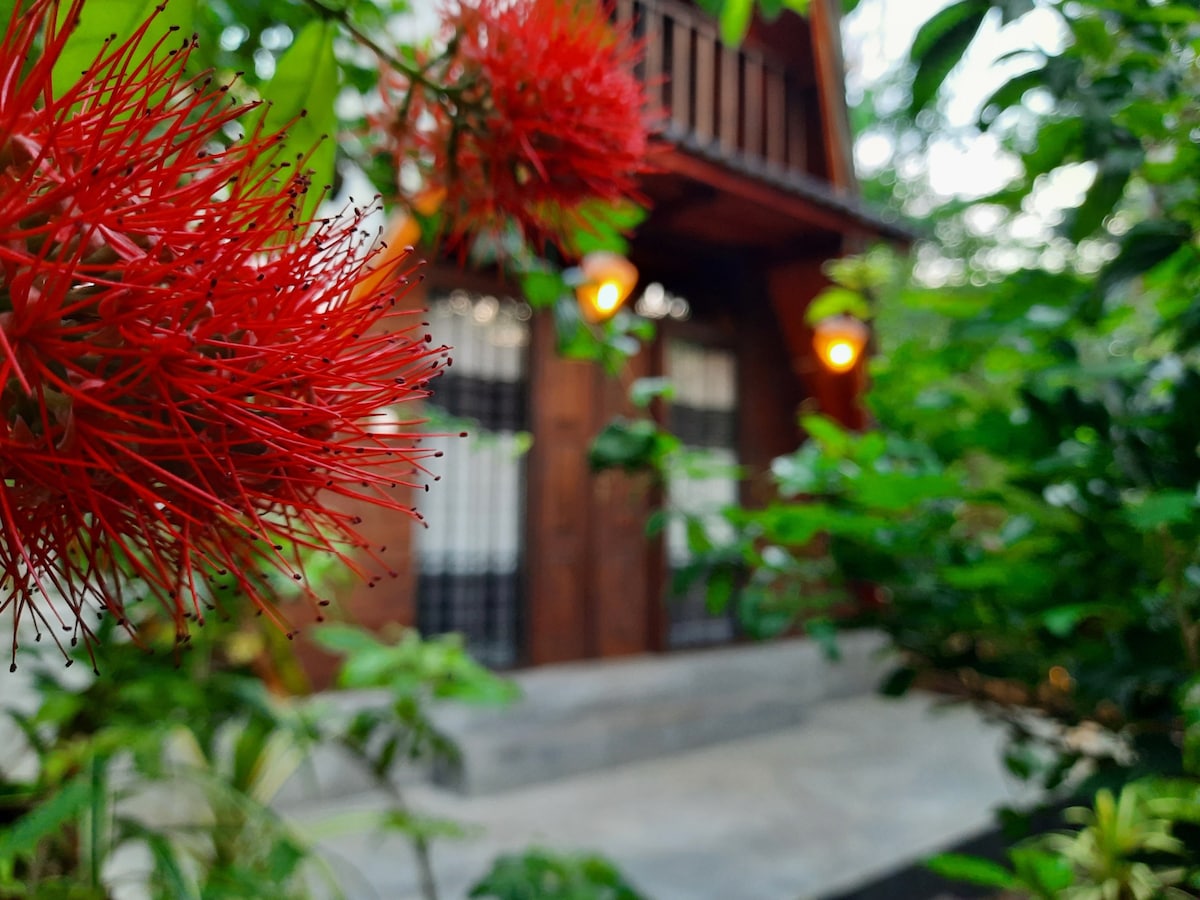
607, 281
839, 342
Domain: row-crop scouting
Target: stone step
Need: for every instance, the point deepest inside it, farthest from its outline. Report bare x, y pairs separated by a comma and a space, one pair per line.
579, 717
864, 787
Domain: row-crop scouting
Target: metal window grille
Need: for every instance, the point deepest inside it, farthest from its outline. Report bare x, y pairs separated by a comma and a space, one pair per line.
470, 557
703, 416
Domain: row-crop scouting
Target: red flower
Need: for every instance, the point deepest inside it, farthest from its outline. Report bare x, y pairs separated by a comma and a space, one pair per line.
187, 374
548, 115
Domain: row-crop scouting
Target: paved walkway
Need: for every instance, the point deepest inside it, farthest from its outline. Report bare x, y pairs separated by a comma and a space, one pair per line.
863, 786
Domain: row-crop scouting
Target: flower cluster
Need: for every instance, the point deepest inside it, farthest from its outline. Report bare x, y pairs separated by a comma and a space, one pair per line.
190, 377
537, 111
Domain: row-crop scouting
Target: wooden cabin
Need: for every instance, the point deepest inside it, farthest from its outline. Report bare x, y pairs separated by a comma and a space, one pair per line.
531, 556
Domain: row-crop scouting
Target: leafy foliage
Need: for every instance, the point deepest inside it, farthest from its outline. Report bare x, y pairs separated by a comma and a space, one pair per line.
1028, 500
1022, 516
220, 746
1126, 846
544, 875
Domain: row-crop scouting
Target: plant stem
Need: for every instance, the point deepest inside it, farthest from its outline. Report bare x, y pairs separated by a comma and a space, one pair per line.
412, 73
419, 842
97, 822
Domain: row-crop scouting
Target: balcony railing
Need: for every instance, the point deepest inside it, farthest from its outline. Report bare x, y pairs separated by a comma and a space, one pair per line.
738, 102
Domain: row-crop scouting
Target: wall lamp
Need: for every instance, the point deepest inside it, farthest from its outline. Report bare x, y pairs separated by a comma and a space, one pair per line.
603, 282
839, 342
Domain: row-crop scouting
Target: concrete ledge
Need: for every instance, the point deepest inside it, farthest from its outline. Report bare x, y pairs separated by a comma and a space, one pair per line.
579, 717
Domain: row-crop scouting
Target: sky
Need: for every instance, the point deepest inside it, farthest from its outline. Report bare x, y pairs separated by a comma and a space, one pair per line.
961, 162
877, 37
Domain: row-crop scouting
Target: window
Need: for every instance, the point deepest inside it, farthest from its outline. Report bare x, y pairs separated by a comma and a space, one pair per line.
702, 415
471, 554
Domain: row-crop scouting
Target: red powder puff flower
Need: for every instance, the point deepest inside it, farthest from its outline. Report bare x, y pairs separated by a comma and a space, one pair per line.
187, 374
545, 113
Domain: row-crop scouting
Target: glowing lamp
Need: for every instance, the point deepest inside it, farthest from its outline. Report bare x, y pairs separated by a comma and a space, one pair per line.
839, 342
606, 281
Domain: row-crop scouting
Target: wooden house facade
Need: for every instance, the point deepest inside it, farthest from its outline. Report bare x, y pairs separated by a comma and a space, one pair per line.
529, 554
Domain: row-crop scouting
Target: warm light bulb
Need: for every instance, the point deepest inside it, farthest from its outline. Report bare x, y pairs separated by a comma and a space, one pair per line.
608, 297
841, 355
605, 282
839, 341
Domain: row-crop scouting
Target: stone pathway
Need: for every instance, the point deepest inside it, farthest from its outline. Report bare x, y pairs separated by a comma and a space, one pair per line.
863, 786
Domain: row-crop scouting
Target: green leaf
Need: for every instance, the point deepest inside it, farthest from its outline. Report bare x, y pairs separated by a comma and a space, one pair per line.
1061, 621
1047, 873
99, 21
646, 390
735, 21
795, 524
770, 9
837, 301
604, 227
899, 490
684, 577
698, 541
1057, 142
940, 44
168, 867
46, 819
972, 869
344, 639
302, 94
1164, 508
543, 288
1008, 95
629, 444
719, 589
1143, 247
832, 437
825, 633
1105, 192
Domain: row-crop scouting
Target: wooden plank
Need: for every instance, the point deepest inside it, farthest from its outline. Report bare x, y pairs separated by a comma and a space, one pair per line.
657, 570
825, 20
652, 61
752, 106
796, 158
706, 85
621, 554
681, 76
767, 397
729, 121
558, 529
776, 118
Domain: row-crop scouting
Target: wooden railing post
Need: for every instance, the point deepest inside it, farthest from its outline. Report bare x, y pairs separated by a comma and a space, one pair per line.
742, 103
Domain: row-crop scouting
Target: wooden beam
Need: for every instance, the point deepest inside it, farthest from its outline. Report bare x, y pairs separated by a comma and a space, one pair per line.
618, 576
681, 75
557, 525
825, 20
724, 181
706, 85
728, 123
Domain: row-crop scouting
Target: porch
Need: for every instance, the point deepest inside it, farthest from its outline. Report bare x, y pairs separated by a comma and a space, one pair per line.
695, 783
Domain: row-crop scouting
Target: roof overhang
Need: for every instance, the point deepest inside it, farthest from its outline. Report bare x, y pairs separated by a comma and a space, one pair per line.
700, 194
